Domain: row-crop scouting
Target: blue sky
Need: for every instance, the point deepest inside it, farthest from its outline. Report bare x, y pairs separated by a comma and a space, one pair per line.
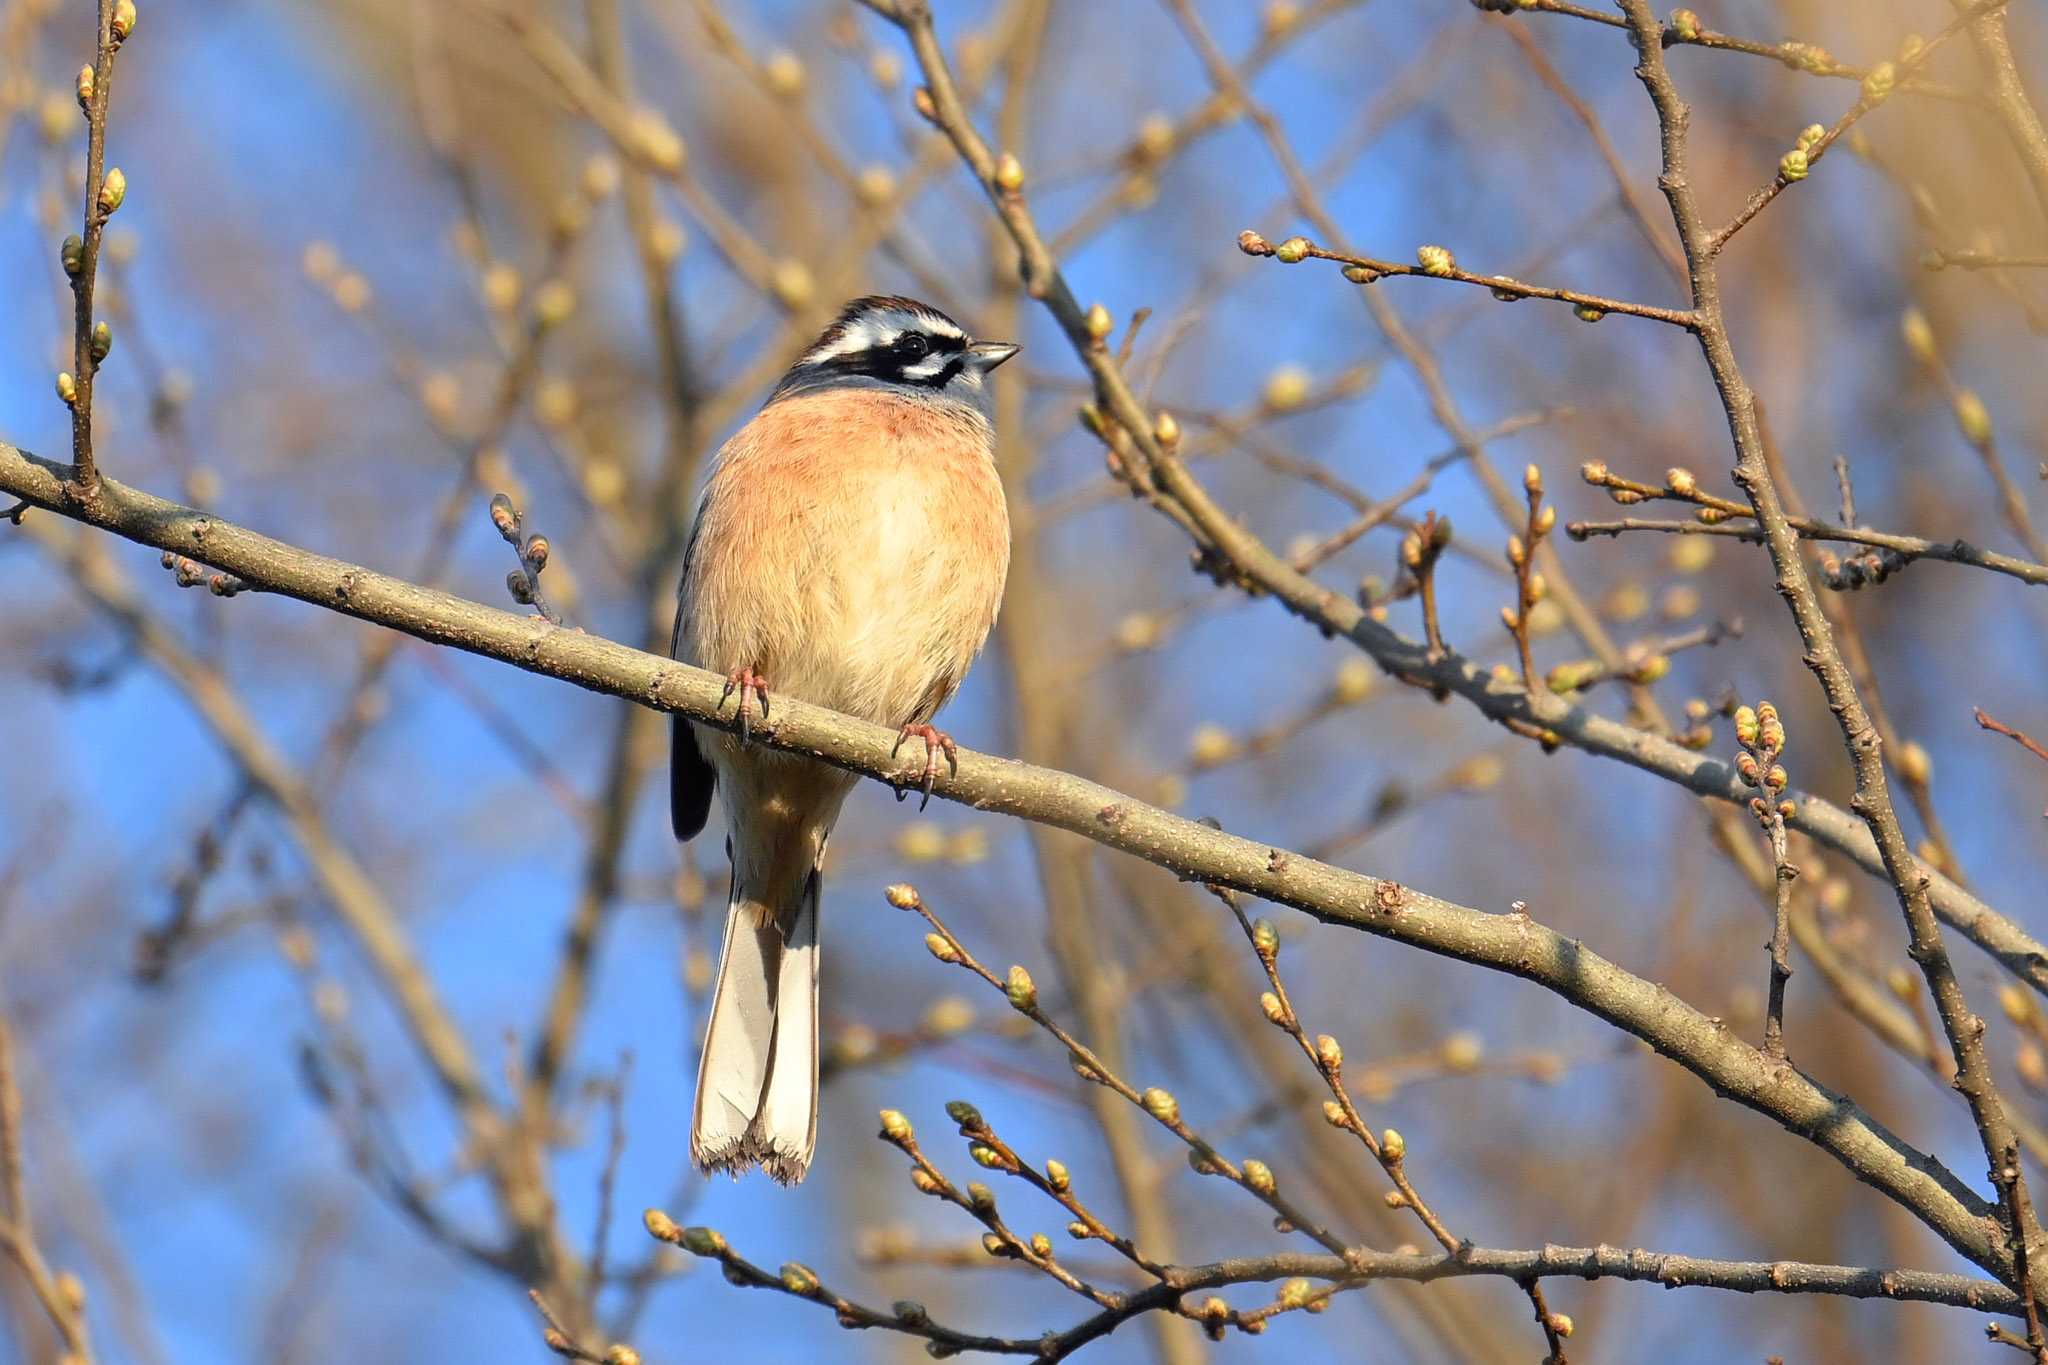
179, 1111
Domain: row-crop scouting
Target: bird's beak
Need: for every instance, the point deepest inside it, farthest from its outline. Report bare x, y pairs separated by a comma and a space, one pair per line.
986, 355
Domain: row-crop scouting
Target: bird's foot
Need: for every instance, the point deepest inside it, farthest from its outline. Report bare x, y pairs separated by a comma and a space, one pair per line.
936, 741
749, 685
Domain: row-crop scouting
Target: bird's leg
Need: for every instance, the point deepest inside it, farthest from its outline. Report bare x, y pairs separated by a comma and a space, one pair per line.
936, 741
748, 684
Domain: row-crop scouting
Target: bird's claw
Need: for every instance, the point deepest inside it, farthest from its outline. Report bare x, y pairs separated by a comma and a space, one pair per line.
936, 741
748, 684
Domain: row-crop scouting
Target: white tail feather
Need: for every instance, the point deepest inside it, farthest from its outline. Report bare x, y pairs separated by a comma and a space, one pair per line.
757, 1083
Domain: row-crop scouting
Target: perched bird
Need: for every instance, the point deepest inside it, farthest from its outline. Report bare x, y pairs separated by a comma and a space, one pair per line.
850, 551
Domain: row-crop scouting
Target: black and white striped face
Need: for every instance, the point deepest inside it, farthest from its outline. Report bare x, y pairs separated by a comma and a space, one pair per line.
893, 342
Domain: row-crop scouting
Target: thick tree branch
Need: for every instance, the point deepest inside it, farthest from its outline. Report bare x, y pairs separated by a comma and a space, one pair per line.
1512, 943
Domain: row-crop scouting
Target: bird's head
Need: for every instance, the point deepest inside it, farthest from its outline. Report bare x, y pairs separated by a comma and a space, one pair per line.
894, 343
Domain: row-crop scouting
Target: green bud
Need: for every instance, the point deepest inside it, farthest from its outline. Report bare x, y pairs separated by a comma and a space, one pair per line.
1161, 1105
702, 1241
1022, 992
1745, 725
1265, 937
113, 190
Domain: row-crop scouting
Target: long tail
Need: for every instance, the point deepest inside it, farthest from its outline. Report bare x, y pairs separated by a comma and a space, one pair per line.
757, 1085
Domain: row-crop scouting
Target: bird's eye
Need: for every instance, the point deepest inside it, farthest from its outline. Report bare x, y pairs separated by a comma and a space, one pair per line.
913, 346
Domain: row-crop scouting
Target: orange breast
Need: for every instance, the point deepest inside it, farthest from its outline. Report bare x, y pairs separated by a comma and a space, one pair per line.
853, 548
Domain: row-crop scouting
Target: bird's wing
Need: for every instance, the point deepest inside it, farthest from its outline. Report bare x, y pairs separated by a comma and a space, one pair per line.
691, 778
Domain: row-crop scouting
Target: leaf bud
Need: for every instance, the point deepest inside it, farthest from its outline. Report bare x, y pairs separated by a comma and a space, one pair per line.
1435, 260
703, 1241
113, 190
1022, 992
1161, 1105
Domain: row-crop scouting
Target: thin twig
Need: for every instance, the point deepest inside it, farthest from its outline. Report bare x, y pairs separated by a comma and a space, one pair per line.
1368, 270
105, 191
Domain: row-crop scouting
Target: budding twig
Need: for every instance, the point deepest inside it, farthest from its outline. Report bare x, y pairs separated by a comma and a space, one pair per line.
1721, 516
1437, 263
1762, 736
1529, 584
1878, 84
1420, 550
523, 582
1389, 1149
105, 190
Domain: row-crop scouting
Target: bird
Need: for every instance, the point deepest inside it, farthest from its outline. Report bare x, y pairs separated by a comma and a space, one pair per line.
850, 550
